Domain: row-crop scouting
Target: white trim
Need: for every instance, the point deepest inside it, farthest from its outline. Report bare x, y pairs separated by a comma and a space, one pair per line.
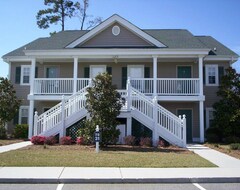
104, 67
64, 53
116, 30
215, 66
9, 70
220, 58
20, 114
110, 21
21, 79
181, 98
208, 109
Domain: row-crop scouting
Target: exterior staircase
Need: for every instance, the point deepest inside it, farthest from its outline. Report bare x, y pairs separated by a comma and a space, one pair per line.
162, 122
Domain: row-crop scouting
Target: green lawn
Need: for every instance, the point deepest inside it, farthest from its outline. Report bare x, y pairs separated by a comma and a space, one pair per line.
84, 156
9, 141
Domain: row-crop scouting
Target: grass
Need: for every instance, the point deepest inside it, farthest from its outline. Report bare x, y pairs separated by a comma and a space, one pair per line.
225, 148
115, 156
9, 141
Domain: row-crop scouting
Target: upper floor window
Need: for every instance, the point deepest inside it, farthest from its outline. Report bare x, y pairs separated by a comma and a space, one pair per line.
211, 75
25, 74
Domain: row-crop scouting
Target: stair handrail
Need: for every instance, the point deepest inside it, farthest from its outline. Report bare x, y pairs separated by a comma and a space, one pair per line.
53, 116
173, 124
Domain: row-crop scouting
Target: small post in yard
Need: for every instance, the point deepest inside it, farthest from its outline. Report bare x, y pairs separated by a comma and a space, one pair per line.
97, 138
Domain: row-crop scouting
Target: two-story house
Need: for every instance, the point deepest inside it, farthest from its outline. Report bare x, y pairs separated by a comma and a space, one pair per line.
161, 73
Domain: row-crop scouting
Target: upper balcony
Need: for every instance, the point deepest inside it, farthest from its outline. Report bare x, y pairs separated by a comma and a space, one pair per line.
165, 87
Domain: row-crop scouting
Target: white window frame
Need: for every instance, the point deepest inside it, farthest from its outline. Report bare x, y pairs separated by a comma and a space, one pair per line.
208, 110
20, 113
207, 67
22, 69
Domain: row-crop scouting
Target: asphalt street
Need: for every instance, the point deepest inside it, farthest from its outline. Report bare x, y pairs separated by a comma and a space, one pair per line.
171, 186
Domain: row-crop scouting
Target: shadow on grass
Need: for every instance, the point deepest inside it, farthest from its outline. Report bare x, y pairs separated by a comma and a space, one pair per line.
169, 149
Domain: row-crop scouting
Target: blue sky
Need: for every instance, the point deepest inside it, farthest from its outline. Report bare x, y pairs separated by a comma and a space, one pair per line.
217, 18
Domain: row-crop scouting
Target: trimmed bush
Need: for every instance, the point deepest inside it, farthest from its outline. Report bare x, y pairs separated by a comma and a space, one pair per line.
130, 140
38, 140
146, 142
50, 140
80, 140
235, 146
66, 140
21, 131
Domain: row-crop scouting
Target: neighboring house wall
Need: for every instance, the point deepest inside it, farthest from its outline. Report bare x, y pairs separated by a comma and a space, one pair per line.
126, 38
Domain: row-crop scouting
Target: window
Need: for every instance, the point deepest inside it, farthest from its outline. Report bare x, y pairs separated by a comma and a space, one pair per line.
211, 75
23, 114
25, 74
209, 117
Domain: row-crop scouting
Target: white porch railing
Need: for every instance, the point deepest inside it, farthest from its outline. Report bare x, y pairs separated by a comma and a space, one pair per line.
167, 86
56, 86
60, 112
178, 86
166, 121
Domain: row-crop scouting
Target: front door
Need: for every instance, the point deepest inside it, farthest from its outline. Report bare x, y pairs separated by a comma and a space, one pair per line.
184, 71
97, 69
188, 114
136, 71
52, 72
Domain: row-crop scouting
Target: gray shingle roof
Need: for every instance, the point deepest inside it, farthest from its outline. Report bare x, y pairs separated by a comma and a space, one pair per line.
212, 43
172, 38
176, 38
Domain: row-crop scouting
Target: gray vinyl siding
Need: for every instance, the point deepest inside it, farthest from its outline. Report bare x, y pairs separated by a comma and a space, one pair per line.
126, 38
194, 106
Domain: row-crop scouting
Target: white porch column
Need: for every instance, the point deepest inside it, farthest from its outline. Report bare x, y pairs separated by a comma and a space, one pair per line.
63, 130
155, 136
201, 121
30, 119
129, 126
201, 107
154, 76
200, 71
75, 72
32, 76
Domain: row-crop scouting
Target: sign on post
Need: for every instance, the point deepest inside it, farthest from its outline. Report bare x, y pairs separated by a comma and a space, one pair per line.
97, 138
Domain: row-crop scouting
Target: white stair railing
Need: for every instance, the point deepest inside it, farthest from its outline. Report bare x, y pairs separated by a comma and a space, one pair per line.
167, 121
54, 116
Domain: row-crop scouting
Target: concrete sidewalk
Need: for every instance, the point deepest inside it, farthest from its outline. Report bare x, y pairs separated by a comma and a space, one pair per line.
228, 171
14, 146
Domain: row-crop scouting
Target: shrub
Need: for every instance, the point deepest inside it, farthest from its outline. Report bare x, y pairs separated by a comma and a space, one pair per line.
130, 140
80, 140
146, 141
21, 131
163, 143
232, 139
50, 140
213, 135
38, 140
235, 146
66, 140
3, 132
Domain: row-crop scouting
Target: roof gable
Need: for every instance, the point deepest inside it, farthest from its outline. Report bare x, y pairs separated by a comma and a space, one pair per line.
124, 23
106, 38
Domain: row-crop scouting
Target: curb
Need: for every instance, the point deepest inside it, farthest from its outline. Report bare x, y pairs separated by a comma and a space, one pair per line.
129, 180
